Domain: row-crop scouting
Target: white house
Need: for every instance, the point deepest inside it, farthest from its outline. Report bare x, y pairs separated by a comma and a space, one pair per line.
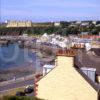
57, 24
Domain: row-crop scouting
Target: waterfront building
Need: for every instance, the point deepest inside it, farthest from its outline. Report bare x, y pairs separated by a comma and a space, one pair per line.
70, 80
19, 24
57, 24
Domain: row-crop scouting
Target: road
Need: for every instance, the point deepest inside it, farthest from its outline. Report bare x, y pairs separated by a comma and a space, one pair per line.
16, 85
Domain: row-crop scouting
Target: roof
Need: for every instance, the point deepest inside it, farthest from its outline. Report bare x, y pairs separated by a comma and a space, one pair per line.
96, 50
89, 59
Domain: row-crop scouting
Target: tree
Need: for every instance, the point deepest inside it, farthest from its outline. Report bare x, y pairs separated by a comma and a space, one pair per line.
94, 32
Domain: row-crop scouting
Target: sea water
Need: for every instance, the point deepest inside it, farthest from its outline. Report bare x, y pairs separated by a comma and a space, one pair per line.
13, 56
19, 61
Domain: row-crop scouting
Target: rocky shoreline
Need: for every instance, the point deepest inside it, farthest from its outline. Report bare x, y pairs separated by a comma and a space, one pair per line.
44, 56
22, 71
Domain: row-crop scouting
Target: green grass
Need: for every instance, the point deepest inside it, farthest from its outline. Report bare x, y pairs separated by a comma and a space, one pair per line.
10, 95
19, 98
11, 92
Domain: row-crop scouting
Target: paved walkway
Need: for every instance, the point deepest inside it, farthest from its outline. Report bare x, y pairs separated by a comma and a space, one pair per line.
16, 85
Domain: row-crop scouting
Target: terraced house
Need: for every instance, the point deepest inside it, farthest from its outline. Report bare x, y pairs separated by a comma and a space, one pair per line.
71, 79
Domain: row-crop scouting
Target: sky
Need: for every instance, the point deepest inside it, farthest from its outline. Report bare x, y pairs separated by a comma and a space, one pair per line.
49, 10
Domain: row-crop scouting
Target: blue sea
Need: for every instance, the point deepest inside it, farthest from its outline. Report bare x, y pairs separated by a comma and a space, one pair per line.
18, 62
12, 56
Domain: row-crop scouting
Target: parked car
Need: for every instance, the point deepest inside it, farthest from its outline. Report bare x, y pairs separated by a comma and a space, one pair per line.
19, 93
29, 89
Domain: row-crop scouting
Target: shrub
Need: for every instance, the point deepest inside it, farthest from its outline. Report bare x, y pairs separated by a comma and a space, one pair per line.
19, 98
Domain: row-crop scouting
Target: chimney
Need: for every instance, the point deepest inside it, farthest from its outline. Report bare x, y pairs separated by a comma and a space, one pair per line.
66, 52
65, 57
79, 46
